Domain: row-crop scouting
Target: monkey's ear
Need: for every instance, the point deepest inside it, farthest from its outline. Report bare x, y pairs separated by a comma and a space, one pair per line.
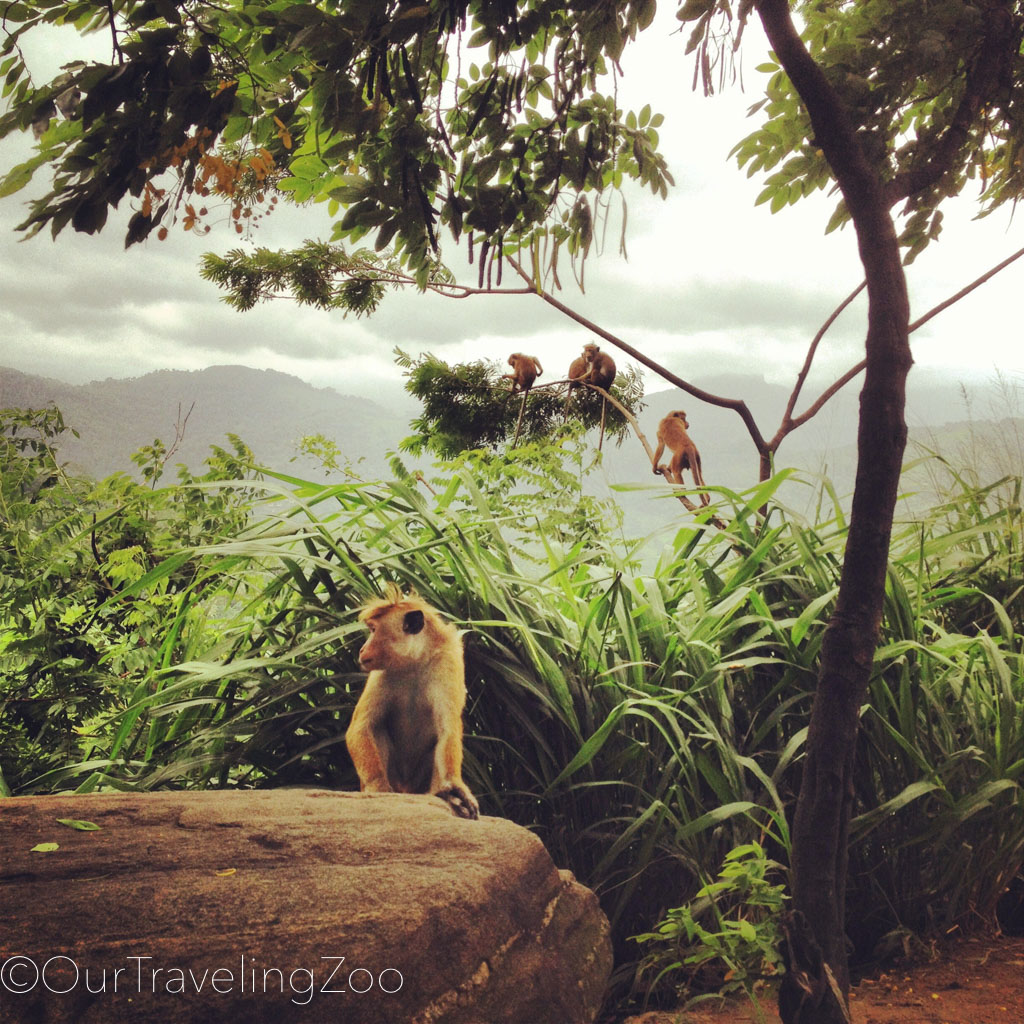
413, 622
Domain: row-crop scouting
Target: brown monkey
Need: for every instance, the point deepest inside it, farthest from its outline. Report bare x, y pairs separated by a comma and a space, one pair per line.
577, 371
406, 729
525, 370
577, 368
602, 366
672, 432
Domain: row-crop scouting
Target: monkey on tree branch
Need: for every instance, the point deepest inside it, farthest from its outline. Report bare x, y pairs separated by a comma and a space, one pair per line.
467, 406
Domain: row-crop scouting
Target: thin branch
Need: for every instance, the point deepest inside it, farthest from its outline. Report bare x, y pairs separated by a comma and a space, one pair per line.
966, 291
180, 426
805, 369
519, 421
113, 33
736, 405
789, 425
814, 409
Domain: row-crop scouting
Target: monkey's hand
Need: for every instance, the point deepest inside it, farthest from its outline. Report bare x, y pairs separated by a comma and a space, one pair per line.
658, 470
460, 800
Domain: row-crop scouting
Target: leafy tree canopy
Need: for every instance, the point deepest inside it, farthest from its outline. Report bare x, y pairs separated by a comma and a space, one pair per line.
469, 406
496, 119
935, 91
483, 117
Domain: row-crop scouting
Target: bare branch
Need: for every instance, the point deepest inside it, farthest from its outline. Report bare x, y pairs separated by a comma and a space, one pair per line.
790, 424
736, 405
966, 291
805, 369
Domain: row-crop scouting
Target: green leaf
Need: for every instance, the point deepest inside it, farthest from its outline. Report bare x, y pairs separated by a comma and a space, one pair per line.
693, 9
308, 167
45, 848
808, 615
18, 177
82, 826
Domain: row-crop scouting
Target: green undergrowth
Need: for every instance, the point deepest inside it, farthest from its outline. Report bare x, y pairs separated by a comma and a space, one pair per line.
643, 714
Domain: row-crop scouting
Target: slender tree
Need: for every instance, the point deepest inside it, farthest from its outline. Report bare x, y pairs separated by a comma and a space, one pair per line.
817, 982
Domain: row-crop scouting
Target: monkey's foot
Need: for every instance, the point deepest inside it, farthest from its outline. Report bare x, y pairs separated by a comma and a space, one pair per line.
460, 800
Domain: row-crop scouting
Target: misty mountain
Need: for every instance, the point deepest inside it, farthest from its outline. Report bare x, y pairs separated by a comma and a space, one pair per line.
270, 411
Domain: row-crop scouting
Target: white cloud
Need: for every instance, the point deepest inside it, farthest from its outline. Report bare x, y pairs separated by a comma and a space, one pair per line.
713, 284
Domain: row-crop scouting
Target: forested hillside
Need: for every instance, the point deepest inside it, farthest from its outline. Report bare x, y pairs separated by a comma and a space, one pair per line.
271, 411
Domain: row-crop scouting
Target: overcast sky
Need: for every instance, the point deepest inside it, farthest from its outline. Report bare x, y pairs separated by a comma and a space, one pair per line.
713, 285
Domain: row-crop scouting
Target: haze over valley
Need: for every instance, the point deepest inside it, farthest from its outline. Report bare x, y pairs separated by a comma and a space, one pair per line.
271, 411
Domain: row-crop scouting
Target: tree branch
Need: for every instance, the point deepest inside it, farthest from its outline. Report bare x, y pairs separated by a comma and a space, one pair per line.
805, 369
736, 405
790, 425
966, 291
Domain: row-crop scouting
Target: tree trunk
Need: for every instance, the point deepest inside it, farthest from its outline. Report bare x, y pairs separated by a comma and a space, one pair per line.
816, 986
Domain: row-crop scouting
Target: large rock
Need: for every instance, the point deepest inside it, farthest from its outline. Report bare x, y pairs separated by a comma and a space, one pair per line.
288, 905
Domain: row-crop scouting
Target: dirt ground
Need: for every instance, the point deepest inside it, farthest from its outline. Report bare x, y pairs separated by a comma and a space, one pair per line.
975, 981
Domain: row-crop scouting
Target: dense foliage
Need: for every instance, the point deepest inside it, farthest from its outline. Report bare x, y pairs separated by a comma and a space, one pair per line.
479, 117
468, 406
644, 713
75, 645
934, 90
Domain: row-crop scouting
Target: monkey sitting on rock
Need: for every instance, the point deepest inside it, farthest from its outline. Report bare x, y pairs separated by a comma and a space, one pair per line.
406, 729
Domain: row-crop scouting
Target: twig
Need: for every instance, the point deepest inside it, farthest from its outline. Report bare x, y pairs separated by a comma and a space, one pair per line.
805, 369
812, 410
519, 421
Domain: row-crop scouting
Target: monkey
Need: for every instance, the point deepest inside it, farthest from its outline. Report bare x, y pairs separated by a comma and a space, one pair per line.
602, 366
594, 367
672, 432
406, 729
577, 371
598, 369
525, 370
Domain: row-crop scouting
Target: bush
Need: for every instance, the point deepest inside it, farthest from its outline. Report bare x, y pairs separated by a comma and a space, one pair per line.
644, 722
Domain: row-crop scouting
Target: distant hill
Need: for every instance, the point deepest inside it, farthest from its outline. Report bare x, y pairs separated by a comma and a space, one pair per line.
269, 410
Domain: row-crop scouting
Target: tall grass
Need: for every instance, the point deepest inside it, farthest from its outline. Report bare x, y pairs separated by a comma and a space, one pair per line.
643, 723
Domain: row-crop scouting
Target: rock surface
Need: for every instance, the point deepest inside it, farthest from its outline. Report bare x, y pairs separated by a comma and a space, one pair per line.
288, 905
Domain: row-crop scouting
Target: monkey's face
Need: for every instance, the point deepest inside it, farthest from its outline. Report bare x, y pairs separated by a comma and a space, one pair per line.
397, 639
